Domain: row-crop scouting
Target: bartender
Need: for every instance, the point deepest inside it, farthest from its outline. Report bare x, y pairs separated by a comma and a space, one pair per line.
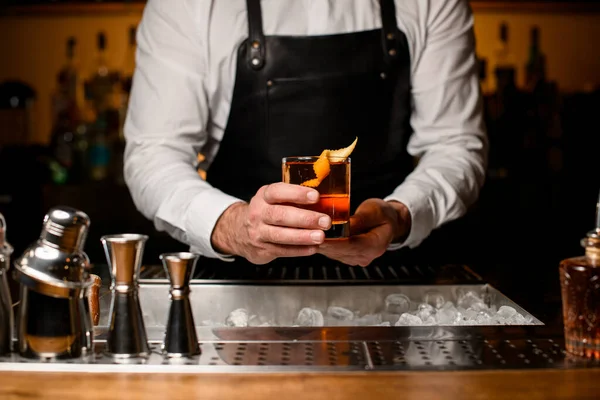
247, 82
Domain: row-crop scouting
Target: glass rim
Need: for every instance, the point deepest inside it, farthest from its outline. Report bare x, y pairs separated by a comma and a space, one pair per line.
313, 158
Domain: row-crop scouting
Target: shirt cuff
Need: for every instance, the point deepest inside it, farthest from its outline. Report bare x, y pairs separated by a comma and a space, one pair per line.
421, 211
204, 211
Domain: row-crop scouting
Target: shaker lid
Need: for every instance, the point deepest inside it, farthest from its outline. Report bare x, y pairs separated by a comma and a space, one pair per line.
56, 264
65, 228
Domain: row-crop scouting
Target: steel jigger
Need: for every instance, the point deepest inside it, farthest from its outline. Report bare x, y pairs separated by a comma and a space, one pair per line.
127, 336
6, 314
181, 339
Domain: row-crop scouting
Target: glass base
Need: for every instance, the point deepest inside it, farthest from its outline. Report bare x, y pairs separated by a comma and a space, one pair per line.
583, 347
338, 231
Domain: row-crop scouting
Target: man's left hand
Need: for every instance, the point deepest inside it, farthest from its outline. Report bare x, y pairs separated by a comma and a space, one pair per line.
375, 225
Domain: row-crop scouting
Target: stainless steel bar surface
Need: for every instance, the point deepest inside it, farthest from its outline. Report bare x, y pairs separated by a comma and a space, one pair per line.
279, 305
327, 349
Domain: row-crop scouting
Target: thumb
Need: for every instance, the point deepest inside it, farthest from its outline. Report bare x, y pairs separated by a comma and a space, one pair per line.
361, 222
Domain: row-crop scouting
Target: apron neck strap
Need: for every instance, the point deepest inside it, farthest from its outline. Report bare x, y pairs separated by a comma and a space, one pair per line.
389, 29
256, 38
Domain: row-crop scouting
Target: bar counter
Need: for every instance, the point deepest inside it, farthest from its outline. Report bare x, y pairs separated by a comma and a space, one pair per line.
530, 385
362, 377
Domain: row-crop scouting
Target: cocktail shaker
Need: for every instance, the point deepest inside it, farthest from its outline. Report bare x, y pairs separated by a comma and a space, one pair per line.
6, 314
127, 336
52, 320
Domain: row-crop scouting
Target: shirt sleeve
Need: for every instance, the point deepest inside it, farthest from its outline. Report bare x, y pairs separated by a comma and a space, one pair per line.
166, 125
449, 138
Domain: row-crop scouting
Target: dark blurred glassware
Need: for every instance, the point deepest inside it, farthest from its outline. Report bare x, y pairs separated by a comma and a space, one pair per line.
17, 101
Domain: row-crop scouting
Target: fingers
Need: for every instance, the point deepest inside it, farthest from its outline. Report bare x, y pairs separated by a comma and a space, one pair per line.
286, 193
291, 236
268, 252
358, 250
294, 251
294, 217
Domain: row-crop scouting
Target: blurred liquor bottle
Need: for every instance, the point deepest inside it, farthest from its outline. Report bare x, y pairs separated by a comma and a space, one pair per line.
68, 96
103, 91
127, 71
546, 138
482, 65
535, 70
504, 110
505, 67
66, 108
128, 67
102, 86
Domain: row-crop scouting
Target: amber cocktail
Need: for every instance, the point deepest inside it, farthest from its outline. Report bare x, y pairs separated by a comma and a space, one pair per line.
334, 189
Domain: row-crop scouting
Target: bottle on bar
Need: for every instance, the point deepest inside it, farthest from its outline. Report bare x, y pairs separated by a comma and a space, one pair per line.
100, 153
535, 70
127, 71
129, 61
103, 94
580, 292
504, 61
68, 95
101, 87
66, 108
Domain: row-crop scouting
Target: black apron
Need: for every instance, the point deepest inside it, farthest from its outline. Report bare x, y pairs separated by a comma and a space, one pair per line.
298, 95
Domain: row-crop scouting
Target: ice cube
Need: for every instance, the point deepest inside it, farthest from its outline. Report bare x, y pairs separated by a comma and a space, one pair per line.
483, 318
369, 320
469, 315
467, 299
447, 315
434, 298
425, 311
479, 306
259, 320
310, 317
340, 313
238, 318
408, 319
506, 312
397, 303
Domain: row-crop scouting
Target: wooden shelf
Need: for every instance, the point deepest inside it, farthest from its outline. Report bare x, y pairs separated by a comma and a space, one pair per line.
74, 9
539, 6
124, 8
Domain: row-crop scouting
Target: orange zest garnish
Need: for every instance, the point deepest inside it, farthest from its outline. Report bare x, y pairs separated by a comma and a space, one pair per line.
322, 166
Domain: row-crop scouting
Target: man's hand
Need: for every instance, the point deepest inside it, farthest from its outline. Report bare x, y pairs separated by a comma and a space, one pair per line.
272, 225
373, 227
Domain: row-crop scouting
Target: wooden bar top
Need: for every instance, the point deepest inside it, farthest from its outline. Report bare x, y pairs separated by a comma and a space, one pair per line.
451, 385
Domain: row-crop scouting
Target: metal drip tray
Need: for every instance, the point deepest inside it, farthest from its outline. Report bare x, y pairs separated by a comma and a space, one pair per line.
350, 355
278, 306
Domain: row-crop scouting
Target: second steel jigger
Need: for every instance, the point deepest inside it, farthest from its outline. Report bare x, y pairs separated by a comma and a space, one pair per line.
180, 336
127, 336
6, 313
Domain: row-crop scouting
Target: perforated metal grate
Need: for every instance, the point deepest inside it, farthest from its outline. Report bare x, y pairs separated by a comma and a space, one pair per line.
479, 353
382, 273
336, 355
284, 353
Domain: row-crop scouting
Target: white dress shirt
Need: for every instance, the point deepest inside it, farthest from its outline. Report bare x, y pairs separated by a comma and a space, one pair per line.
183, 87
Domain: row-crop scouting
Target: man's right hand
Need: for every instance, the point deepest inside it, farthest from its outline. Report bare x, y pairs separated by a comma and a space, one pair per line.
271, 226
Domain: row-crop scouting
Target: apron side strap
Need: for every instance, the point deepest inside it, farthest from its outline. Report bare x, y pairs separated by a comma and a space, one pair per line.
256, 38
